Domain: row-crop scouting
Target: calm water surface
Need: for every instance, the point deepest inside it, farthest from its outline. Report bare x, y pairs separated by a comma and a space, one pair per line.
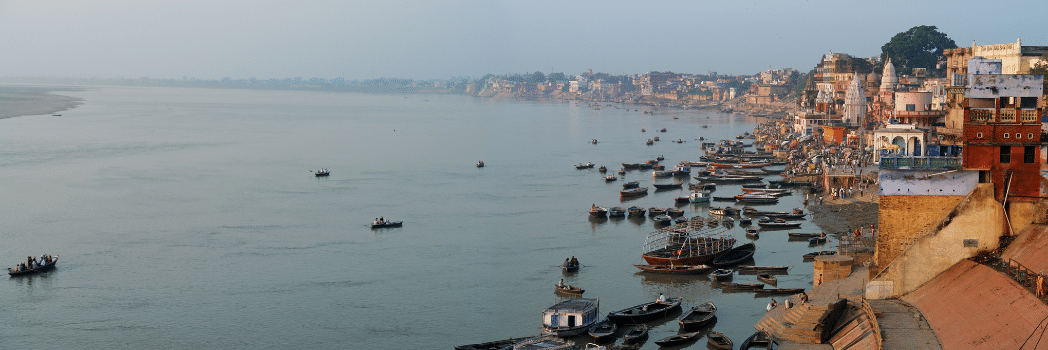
188, 218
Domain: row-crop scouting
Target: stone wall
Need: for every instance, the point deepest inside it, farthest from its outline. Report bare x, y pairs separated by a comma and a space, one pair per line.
902, 218
974, 226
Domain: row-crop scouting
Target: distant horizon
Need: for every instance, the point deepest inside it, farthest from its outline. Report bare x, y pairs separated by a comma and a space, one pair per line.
269, 39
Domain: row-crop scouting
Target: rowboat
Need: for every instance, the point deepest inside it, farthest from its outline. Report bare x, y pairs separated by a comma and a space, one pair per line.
675, 269
584, 166
767, 278
678, 339
633, 192
668, 186
617, 212
812, 255
568, 289
721, 274
753, 232
635, 334
779, 225
645, 312
796, 235
38, 269
780, 291
817, 240
636, 211
549, 342
631, 184
763, 268
602, 330
653, 211
741, 286
698, 316
387, 224
759, 339
599, 212
717, 340
735, 255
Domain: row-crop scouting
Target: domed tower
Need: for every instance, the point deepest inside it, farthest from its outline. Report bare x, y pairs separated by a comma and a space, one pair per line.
888, 84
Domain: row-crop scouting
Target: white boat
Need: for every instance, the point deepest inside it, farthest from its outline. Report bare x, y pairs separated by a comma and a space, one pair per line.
700, 197
571, 317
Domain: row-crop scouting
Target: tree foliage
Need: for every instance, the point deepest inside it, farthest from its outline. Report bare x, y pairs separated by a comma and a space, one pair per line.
1042, 69
919, 47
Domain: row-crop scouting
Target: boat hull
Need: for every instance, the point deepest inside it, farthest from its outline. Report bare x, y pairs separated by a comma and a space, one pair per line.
40, 269
627, 316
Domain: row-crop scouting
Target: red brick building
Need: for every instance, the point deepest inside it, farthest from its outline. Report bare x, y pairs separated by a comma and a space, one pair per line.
1002, 132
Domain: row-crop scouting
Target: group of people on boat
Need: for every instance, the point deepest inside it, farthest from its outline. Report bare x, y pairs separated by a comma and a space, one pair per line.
380, 221
32, 263
323, 171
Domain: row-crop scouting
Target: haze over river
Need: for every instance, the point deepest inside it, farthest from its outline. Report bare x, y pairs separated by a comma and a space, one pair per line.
189, 218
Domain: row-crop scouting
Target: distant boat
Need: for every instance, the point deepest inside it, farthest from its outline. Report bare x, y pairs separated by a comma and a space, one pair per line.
38, 269
568, 289
633, 192
631, 184
668, 186
636, 211
599, 212
645, 312
610, 178
56, 115
812, 255
387, 223
767, 278
584, 166
323, 172
617, 212
699, 197
480, 164
675, 269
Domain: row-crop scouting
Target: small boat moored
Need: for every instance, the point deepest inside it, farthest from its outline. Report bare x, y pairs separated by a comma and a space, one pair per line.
635, 334
675, 269
721, 274
717, 340
599, 212
759, 339
735, 255
698, 316
646, 312
603, 330
679, 339
617, 212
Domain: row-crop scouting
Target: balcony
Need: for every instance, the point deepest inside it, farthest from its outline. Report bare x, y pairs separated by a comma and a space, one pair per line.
1029, 116
982, 115
1007, 115
898, 162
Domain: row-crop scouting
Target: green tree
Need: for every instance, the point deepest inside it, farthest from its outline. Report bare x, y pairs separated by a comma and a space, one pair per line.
536, 77
557, 77
1041, 68
919, 47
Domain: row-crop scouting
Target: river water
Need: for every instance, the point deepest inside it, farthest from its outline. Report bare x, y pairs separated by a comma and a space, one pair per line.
189, 218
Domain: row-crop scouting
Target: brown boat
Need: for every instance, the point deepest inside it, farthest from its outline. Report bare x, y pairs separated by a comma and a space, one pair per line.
568, 289
717, 340
684, 247
675, 269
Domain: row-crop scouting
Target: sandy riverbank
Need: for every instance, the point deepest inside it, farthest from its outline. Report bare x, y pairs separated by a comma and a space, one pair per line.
846, 214
17, 100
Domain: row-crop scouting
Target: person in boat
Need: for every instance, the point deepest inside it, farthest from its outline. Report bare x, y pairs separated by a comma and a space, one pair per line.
381, 220
661, 299
561, 283
574, 262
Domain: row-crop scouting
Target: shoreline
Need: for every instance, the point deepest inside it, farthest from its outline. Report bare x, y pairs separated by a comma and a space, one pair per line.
24, 100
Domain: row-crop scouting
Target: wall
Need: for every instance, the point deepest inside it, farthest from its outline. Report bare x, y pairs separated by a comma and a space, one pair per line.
975, 226
921, 100
914, 183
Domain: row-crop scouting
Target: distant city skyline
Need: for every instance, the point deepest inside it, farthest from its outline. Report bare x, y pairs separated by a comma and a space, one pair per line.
440, 40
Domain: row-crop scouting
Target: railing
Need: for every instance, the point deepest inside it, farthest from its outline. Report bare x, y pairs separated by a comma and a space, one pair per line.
982, 115
1023, 275
896, 162
1029, 116
870, 315
1007, 115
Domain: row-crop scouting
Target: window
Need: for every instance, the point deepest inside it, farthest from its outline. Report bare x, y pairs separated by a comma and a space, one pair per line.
978, 135
1018, 136
1006, 135
1029, 136
1028, 154
911, 107
1006, 154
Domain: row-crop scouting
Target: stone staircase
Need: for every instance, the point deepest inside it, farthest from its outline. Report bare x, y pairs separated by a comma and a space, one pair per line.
798, 324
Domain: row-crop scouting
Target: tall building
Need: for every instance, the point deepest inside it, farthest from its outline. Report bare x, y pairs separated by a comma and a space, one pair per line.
855, 103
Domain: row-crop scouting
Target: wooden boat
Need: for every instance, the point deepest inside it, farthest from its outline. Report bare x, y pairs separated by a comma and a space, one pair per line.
725, 199
684, 199
599, 212
678, 339
631, 184
653, 211
753, 232
721, 274
662, 219
617, 212
741, 286
780, 291
752, 268
570, 318
610, 178
645, 312
812, 255
584, 166
493, 345
681, 219
817, 240
745, 222
735, 255
674, 212
779, 225
480, 164
39, 269
717, 340
698, 316
668, 186
787, 183
387, 224
635, 334
602, 169
766, 277
756, 199
796, 235
685, 246
549, 342
602, 330
675, 269
634, 192
636, 211
759, 339
568, 289
570, 266
321, 173
622, 171
630, 165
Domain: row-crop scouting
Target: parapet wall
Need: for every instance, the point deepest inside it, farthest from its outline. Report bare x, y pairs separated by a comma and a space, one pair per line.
903, 218
975, 225
971, 306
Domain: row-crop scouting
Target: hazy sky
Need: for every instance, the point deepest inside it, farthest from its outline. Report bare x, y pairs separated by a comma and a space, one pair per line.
443, 39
